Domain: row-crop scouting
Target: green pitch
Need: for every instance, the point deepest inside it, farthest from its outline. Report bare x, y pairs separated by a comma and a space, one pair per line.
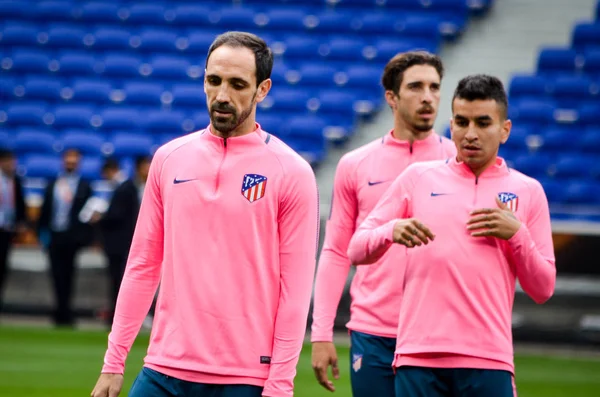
57, 363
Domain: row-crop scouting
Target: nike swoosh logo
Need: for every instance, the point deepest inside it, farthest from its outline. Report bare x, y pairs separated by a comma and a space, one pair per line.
438, 194
376, 183
176, 181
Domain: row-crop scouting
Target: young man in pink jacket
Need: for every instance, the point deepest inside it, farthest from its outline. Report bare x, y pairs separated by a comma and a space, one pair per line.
472, 227
412, 82
229, 227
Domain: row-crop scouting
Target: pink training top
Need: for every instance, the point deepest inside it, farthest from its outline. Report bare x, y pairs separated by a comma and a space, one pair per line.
361, 178
458, 290
230, 228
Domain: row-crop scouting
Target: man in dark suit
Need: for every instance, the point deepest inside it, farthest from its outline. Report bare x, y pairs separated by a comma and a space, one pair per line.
117, 225
63, 234
12, 211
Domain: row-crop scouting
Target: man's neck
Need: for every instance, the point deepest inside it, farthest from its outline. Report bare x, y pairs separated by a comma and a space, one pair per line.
404, 134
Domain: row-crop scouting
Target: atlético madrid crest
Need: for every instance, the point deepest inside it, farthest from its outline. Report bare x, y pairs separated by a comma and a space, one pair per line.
356, 362
510, 199
254, 187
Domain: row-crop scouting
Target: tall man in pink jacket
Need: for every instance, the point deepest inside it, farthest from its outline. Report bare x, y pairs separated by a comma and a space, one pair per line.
229, 226
412, 82
472, 227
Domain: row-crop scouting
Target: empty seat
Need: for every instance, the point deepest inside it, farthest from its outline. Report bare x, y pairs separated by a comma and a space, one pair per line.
201, 120
52, 11
335, 102
192, 15
590, 141
385, 49
111, 39
143, 93
146, 14
554, 189
65, 37
533, 112
163, 121
6, 139
95, 11
588, 114
286, 100
517, 141
42, 166
527, 87
572, 91
14, 8
34, 141
90, 167
87, 142
7, 86
130, 144
582, 192
73, 116
121, 66
332, 21
97, 91
557, 60
42, 88
533, 165
77, 64
557, 139
380, 22
188, 95
151, 40
273, 123
21, 34
317, 74
234, 18
586, 35
170, 68
342, 49
592, 63
21, 114
572, 166
363, 76
200, 41
119, 119
24, 61
282, 19
298, 47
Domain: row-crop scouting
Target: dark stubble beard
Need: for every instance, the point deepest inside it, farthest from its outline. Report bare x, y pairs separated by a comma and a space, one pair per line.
225, 125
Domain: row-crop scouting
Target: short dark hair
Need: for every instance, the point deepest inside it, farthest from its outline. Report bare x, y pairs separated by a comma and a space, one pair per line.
110, 163
141, 160
482, 87
393, 73
263, 56
6, 153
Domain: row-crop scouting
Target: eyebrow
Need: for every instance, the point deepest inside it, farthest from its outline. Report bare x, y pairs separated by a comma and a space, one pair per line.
478, 118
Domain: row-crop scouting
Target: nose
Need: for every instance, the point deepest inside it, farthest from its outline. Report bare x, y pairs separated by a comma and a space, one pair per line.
223, 94
427, 96
471, 134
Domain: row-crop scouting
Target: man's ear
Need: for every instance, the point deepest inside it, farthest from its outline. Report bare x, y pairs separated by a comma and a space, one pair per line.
505, 133
390, 98
263, 89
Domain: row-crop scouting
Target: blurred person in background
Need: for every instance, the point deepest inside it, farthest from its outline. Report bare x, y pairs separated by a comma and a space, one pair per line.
117, 225
412, 83
62, 233
142, 168
12, 211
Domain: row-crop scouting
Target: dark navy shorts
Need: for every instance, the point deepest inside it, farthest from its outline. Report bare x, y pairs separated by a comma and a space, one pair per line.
453, 382
150, 383
371, 358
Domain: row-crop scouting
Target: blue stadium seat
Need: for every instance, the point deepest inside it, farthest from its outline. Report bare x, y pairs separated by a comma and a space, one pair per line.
163, 121
536, 113
90, 168
42, 166
318, 74
572, 91
14, 9
120, 119
517, 141
172, 68
22, 114
332, 21
65, 36
590, 141
131, 144
146, 14
552, 61
73, 116
282, 74
87, 90
286, 100
554, 189
273, 123
192, 15
188, 96
379, 22
384, 49
423, 28
557, 140
162, 139
571, 165
200, 41
588, 114
586, 36
6, 139
108, 38
19, 34
298, 47
96, 12
77, 64
201, 120
121, 66
582, 192
47, 88
7, 86
283, 19
34, 141
306, 136
533, 165
527, 87
143, 93
52, 11
28, 61
342, 49
234, 18
363, 76
592, 63
157, 40
87, 142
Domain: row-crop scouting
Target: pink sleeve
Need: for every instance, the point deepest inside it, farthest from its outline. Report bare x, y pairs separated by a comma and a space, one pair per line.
142, 274
533, 250
334, 264
298, 239
375, 235
449, 148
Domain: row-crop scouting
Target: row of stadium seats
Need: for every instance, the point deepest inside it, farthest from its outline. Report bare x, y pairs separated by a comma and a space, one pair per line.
556, 130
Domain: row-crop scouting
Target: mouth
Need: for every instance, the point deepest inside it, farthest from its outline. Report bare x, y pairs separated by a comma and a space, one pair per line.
471, 150
425, 113
222, 113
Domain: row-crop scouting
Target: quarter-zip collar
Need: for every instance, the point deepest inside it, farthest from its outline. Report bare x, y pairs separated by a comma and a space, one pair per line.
498, 169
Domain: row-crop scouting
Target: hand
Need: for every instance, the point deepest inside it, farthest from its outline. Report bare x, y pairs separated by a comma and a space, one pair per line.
108, 385
95, 217
324, 355
411, 232
495, 222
